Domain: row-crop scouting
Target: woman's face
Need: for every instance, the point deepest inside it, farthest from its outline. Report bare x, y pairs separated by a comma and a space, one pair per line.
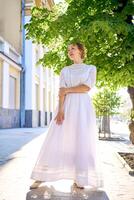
73, 52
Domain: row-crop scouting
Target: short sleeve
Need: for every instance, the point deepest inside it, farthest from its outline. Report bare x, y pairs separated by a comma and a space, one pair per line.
91, 79
62, 82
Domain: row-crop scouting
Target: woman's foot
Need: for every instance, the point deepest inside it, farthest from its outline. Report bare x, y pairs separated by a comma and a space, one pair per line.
35, 185
76, 186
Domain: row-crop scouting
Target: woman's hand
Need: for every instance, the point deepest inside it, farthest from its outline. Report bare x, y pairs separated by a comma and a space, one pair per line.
59, 117
63, 91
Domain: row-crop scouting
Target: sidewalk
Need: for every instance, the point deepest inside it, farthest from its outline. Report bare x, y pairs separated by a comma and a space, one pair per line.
18, 152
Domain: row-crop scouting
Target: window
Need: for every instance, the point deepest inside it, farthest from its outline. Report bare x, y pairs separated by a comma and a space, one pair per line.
0, 83
37, 54
44, 100
12, 92
36, 96
49, 101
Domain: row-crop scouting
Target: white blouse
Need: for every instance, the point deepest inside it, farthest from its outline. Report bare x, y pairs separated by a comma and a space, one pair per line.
78, 74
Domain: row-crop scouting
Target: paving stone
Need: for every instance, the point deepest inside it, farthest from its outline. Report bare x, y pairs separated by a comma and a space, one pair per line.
18, 159
43, 193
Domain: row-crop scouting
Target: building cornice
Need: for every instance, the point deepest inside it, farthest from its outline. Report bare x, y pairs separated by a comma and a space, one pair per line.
6, 58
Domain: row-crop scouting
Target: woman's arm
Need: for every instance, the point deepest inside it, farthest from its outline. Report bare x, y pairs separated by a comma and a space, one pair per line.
76, 89
61, 102
60, 115
62, 95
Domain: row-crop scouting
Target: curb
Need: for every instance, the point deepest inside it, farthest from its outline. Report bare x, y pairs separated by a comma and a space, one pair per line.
124, 163
112, 139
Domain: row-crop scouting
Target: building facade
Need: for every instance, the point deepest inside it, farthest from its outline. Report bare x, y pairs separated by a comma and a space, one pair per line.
40, 87
27, 91
9, 86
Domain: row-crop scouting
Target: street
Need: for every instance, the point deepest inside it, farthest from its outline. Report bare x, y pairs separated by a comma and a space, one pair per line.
18, 152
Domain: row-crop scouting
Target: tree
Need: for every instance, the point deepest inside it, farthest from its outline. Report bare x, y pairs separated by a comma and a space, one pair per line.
104, 26
131, 125
106, 104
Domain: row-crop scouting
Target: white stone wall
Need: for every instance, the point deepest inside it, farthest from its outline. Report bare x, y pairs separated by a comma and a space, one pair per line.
44, 77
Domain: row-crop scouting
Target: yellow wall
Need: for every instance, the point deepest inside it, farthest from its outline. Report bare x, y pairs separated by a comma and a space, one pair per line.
0, 82
10, 22
15, 73
37, 3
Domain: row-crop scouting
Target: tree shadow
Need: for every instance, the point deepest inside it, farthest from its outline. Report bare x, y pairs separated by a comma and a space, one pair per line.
49, 193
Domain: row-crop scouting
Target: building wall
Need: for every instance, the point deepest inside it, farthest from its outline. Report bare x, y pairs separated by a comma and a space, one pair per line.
40, 83
0, 82
16, 74
9, 88
39, 87
10, 22
44, 3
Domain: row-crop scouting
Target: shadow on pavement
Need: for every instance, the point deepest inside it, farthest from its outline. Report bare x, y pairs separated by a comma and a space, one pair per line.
49, 193
12, 140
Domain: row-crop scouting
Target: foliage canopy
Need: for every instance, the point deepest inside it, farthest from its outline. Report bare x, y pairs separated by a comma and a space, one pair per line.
100, 25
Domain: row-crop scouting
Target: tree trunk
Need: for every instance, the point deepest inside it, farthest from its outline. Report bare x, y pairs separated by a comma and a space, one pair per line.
106, 126
131, 125
121, 6
99, 126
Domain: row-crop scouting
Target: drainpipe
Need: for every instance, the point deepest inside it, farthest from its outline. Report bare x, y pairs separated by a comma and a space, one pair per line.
22, 75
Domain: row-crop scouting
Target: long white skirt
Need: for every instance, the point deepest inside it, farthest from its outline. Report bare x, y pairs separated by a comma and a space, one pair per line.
70, 150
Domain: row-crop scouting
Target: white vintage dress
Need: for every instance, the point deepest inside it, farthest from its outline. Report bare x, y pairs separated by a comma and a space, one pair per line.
70, 150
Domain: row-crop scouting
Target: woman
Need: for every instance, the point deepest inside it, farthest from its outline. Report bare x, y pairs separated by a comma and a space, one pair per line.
70, 148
